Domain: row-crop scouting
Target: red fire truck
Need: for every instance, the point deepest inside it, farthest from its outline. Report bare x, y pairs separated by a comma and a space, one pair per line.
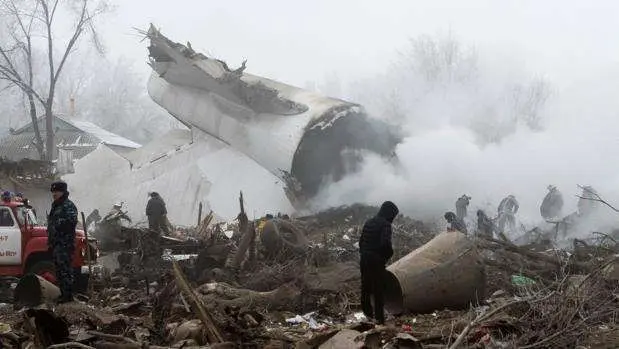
23, 247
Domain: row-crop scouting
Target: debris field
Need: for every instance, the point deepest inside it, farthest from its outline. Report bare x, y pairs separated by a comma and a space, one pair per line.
237, 285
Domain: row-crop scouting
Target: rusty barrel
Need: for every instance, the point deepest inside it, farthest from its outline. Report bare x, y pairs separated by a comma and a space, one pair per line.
444, 273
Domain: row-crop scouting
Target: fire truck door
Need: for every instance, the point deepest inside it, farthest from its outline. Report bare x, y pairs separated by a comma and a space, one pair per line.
10, 238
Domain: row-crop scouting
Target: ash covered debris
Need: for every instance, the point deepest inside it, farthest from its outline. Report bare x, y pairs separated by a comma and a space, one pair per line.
195, 295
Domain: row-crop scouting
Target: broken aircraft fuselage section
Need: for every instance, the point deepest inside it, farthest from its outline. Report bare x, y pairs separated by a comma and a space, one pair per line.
300, 136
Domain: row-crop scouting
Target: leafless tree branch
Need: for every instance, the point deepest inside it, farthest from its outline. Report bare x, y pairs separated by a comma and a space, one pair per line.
595, 197
22, 30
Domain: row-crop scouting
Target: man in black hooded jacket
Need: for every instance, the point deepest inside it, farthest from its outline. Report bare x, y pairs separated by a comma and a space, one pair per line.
375, 248
156, 212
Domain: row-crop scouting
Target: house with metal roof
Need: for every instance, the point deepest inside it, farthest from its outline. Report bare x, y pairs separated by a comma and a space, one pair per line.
74, 140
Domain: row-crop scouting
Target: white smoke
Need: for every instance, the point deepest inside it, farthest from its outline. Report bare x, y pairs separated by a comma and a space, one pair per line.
451, 148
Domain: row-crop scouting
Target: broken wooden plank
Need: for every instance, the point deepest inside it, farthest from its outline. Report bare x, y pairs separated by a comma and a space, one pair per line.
212, 332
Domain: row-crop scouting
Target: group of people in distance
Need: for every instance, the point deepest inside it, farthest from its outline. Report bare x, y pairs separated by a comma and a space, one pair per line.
550, 210
376, 249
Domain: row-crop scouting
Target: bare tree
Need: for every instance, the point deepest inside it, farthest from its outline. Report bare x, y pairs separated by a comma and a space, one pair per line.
529, 100
591, 195
21, 50
440, 59
38, 18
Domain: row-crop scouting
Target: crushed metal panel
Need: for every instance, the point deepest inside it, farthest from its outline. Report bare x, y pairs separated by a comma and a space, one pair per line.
173, 140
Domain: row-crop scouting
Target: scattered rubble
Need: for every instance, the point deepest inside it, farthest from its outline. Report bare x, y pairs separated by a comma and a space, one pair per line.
220, 286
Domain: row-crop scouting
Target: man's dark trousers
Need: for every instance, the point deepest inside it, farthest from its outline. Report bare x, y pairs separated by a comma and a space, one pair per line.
372, 285
63, 256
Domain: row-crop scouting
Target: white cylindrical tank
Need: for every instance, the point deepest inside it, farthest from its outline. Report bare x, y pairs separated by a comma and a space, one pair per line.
298, 135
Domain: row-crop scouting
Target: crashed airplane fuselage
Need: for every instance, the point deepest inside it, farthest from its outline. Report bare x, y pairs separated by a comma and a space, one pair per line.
300, 136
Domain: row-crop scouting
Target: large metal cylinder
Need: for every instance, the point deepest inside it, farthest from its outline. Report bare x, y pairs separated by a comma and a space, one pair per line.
300, 136
444, 273
33, 290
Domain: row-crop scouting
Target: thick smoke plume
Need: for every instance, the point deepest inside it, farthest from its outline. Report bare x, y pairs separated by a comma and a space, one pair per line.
483, 131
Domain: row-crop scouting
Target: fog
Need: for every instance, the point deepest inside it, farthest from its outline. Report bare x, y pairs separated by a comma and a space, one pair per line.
466, 132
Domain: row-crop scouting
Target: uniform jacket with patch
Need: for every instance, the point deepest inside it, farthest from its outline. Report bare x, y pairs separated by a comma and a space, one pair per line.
61, 223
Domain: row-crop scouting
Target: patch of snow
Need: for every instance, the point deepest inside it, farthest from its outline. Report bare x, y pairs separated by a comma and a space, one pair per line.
105, 136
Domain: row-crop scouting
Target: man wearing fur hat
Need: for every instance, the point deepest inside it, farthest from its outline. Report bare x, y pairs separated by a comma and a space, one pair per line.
61, 224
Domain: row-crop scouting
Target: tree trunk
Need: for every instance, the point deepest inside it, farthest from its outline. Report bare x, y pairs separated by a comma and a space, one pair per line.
33, 107
35, 124
49, 130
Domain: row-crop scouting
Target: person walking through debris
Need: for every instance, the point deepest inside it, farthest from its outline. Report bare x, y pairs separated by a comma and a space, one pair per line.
61, 224
375, 249
462, 205
552, 204
507, 213
117, 214
156, 213
485, 227
455, 223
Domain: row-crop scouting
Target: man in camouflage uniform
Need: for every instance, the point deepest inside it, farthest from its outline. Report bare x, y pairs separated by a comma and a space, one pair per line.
61, 224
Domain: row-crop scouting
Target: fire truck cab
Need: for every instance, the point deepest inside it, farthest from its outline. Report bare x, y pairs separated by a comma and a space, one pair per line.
23, 247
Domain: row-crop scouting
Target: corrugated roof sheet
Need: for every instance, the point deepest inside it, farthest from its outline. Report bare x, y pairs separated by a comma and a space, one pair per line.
82, 140
21, 146
105, 136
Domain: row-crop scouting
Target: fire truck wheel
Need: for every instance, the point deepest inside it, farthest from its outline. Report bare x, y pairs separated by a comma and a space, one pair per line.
44, 269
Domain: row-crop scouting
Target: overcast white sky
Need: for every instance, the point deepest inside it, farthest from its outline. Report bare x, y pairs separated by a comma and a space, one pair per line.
298, 41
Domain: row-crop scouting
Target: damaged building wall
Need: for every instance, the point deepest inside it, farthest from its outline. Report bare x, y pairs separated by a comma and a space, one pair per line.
203, 170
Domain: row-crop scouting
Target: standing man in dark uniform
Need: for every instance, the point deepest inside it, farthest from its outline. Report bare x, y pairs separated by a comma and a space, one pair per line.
375, 248
156, 213
61, 224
